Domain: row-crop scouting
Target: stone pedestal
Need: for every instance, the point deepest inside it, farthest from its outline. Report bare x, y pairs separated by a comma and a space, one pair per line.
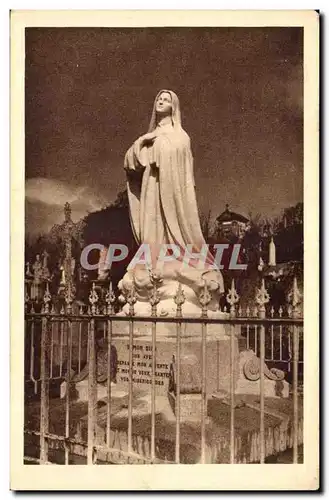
190, 406
217, 360
248, 381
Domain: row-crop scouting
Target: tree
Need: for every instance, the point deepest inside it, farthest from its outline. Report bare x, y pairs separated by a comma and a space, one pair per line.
111, 225
205, 223
289, 236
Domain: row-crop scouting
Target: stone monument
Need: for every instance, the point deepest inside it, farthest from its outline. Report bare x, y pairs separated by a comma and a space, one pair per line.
172, 275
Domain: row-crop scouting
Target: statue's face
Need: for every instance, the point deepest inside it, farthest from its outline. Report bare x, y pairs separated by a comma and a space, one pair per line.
163, 104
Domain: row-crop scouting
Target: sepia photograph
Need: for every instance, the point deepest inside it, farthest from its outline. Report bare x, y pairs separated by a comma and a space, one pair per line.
162, 278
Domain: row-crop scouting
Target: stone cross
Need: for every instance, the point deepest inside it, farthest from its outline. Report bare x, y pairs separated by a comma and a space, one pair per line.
68, 231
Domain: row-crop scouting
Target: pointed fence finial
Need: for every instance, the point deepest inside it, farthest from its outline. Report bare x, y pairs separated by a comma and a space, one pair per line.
110, 299
295, 299
232, 298
280, 312
46, 299
154, 297
262, 298
93, 298
68, 296
179, 300
132, 299
204, 299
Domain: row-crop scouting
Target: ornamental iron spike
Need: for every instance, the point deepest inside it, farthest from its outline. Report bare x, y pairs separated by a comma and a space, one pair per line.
272, 312
255, 311
81, 310
132, 299
262, 297
240, 311
93, 298
32, 308
290, 310
155, 278
46, 299
179, 300
53, 310
204, 299
68, 296
154, 298
280, 311
110, 299
248, 311
89, 310
232, 298
295, 298
62, 311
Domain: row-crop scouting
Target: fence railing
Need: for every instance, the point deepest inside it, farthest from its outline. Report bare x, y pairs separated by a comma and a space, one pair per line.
62, 345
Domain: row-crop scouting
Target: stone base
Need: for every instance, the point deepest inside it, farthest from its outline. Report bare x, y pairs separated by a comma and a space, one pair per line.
190, 406
272, 388
217, 367
245, 368
249, 378
169, 330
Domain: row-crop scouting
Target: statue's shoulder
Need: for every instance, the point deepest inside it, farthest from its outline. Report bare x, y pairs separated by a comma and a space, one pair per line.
186, 137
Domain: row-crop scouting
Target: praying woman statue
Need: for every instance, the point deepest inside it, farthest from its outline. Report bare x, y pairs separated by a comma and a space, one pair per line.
163, 210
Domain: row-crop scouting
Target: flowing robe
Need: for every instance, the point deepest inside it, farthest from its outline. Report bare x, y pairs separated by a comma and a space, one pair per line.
160, 183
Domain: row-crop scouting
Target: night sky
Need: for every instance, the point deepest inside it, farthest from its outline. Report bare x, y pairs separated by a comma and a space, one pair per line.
89, 95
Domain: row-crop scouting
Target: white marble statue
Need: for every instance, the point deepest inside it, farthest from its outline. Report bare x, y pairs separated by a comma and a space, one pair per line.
163, 210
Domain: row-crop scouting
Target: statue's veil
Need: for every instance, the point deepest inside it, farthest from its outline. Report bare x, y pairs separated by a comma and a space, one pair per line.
175, 117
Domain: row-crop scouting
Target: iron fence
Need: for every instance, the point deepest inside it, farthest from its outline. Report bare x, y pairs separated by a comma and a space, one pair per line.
61, 346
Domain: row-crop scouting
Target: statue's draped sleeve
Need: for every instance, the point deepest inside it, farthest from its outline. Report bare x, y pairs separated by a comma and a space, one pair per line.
134, 163
175, 162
